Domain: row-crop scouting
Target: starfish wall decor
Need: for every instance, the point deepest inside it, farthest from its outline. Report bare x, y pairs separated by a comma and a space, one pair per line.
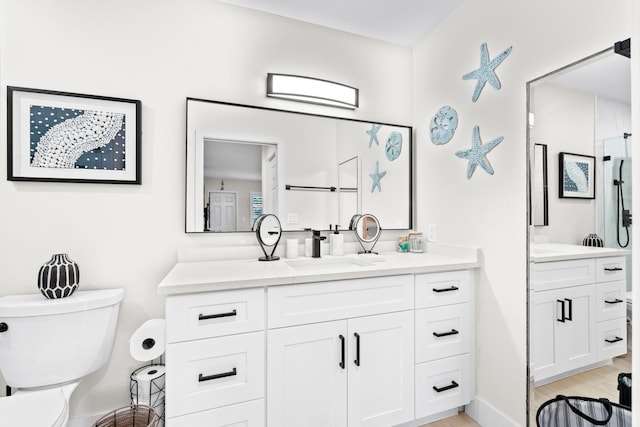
373, 134
487, 71
478, 152
376, 176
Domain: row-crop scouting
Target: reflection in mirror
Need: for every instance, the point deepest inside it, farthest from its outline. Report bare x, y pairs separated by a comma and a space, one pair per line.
348, 189
582, 108
312, 171
539, 190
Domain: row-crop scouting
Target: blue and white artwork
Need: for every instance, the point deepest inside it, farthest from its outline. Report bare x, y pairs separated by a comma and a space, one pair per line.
487, 71
66, 138
376, 176
577, 176
393, 147
373, 134
443, 125
477, 154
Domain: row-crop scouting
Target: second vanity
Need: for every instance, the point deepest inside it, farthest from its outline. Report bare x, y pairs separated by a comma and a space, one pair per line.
577, 308
339, 341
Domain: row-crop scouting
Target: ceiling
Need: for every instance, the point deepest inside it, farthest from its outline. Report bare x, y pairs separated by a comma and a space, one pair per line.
607, 76
403, 22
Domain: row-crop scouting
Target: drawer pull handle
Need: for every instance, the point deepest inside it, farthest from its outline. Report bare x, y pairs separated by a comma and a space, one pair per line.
616, 339
341, 352
445, 334
216, 316
452, 288
203, 378
447, 387
563, 314
615, 301
613, 269
357, 361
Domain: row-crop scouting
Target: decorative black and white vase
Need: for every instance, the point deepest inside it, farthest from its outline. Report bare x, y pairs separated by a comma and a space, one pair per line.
59, 277
593, 240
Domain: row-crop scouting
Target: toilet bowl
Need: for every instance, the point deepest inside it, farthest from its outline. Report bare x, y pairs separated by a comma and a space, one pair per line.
47, 347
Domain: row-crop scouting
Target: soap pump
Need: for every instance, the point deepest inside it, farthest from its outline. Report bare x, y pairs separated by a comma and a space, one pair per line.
336, 242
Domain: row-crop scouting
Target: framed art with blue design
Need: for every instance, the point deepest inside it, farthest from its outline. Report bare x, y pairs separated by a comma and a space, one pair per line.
70, 137
577, 176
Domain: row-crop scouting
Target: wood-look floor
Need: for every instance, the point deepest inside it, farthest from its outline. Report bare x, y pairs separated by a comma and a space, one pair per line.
599, 382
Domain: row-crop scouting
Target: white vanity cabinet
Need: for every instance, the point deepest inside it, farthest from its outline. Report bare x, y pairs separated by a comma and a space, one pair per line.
577, 314
215, 359
355, 371
341, 351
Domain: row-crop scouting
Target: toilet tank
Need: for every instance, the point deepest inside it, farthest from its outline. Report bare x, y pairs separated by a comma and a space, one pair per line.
46, 342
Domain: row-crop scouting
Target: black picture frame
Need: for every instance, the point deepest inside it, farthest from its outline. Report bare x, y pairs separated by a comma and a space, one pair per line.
70, 137
577, 176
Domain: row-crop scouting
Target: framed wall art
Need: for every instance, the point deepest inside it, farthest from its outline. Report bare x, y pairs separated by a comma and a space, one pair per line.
577, 176
70, 137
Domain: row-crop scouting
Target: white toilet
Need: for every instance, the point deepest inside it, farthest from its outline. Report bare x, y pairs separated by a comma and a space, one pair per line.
47, 346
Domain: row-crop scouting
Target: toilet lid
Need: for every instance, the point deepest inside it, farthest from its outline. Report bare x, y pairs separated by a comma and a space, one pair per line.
37, 408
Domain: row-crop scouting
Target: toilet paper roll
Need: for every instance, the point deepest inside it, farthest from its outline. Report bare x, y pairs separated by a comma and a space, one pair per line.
292, 248
147, 387
148, 341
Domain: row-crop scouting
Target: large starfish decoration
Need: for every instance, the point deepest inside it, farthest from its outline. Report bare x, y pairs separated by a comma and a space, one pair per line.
487, 71
478, 152
373, 134
376, 177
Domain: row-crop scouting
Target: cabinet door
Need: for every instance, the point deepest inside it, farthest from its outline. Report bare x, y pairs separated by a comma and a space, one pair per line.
545, 315
381, 364
307, 376
580, 332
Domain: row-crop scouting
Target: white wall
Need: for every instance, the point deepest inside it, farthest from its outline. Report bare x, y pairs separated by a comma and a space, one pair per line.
565, 121
159, 52
490, 211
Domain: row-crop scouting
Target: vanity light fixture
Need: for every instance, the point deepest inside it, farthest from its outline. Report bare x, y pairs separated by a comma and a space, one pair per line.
312, 90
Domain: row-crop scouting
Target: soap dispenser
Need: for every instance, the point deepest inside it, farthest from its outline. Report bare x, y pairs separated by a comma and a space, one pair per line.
336, 242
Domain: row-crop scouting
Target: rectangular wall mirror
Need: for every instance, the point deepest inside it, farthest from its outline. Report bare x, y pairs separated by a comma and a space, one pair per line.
312, 171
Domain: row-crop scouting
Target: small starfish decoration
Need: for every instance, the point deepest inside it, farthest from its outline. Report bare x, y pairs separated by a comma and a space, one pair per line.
478, 152
487, 71
376, 177
373, 134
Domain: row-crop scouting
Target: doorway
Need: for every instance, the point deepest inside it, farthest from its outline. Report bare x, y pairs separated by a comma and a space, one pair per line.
223, 208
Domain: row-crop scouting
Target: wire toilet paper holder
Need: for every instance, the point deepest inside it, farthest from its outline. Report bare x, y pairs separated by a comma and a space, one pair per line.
156, 390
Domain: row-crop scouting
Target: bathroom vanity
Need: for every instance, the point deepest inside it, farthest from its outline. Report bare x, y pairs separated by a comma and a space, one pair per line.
359, 340
577, 308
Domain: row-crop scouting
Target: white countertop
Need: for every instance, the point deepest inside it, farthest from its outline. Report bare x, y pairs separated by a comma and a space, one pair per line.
204, 276
545, 252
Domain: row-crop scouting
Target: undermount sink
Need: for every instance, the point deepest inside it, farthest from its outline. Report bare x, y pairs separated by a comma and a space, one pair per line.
329, 262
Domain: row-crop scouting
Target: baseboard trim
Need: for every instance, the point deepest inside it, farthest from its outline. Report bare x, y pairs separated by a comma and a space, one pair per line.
487, 415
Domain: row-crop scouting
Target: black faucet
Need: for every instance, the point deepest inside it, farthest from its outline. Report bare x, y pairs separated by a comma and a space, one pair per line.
316, 243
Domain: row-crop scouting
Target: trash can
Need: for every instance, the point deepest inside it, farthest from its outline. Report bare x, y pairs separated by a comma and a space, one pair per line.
624, 387
129, 416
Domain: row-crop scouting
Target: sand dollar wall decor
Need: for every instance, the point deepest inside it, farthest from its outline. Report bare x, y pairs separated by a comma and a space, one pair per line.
443, 125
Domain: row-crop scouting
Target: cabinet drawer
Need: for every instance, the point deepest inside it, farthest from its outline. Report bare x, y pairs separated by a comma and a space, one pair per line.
214, 314
612, 338
443, 288
443, 384
209, 373
611, 300
247, 414
291, 305
442, 332
610, 269
560, 274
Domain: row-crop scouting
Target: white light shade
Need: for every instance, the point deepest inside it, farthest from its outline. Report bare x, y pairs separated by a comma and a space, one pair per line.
314, 91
